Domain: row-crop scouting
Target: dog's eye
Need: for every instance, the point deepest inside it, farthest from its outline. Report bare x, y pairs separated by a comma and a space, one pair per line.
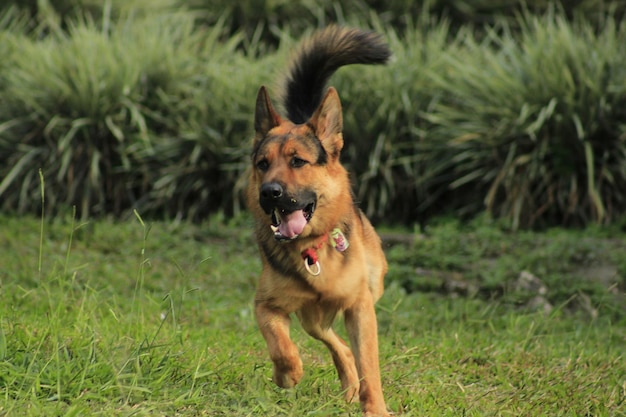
298, 162
263, 165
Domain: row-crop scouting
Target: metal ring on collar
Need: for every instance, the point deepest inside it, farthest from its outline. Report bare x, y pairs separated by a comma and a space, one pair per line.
311, 271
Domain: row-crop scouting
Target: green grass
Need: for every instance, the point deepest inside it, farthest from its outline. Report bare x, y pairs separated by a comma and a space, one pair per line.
485, 260
141, 318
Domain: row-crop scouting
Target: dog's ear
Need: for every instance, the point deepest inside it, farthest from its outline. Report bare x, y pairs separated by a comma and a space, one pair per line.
265, 117
327, 121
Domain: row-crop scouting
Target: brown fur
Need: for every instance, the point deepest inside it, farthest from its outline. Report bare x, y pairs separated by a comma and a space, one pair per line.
304, 160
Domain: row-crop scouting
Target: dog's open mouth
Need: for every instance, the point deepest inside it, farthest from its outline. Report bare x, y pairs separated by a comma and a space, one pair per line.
288, 225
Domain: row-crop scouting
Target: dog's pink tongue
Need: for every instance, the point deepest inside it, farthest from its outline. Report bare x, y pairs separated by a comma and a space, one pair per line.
292, 224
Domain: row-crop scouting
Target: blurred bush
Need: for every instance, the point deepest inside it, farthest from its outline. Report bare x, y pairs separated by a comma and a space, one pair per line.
265, 20
148, 105
534, 122
122, 115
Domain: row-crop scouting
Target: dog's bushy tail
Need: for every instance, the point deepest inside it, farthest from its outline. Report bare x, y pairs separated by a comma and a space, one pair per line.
319, 58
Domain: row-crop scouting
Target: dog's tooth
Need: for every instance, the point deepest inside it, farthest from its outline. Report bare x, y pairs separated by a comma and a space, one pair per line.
274, 228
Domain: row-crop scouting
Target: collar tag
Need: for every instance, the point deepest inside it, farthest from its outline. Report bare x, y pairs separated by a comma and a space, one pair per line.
338, 240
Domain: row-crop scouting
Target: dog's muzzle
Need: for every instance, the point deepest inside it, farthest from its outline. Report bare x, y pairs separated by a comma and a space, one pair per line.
290, 212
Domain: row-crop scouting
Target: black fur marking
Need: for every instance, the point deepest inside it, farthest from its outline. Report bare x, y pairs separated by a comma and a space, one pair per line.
322, 156
278, 265
280, 262
264, 142
320, 58
310, 141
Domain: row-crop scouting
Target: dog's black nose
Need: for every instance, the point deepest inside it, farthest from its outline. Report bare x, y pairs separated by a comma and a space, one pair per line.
271, 191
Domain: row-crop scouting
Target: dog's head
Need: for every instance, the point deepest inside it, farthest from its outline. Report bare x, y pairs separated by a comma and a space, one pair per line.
295, 167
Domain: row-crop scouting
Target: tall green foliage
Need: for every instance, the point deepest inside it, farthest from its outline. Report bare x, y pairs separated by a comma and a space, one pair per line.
532, 123
385, 130
107, 111
153, 111
76, 98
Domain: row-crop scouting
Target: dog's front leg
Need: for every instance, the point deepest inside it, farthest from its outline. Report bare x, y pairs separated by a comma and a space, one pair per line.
274, 325
363, 332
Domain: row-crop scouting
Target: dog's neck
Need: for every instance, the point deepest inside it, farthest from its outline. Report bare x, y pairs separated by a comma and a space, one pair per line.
336, 238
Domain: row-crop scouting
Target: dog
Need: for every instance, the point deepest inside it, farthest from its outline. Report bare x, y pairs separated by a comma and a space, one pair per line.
321, 256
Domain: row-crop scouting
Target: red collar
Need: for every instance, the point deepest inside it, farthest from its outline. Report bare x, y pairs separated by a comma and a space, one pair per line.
311, 261
310, 254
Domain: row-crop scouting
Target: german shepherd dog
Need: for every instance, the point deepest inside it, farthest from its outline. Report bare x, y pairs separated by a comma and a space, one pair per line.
321, 256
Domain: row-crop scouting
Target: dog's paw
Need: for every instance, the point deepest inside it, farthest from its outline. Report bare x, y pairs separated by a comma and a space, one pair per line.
377, 411
288, 378
370, 414
351, 394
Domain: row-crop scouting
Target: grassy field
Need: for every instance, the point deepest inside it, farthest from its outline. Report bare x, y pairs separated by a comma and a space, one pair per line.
149, 319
